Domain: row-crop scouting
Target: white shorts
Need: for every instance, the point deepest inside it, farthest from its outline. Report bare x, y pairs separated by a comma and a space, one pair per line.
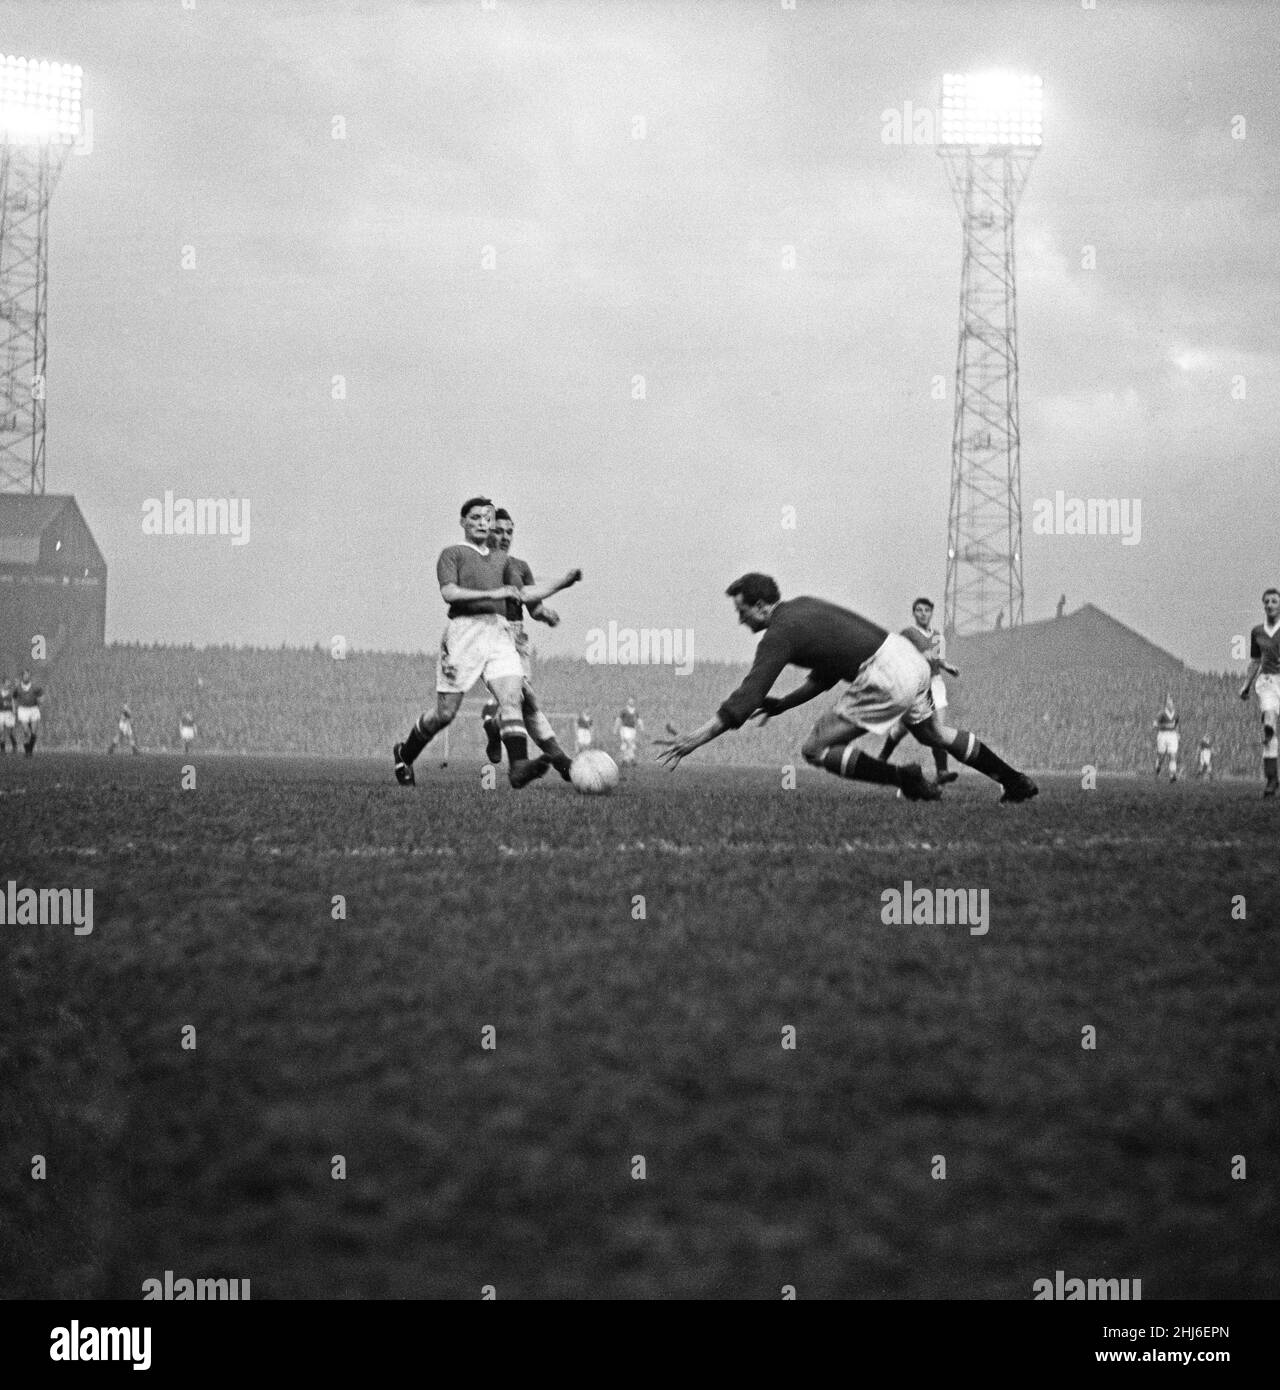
187, 732
626, 736
1206, 757
584, 738
474, 646
126, 729
938, 689
892, 684
28, 714
1166, 742
1267, 689
6, 719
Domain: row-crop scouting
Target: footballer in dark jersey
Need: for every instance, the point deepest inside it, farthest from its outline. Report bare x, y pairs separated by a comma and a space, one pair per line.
888, 680
477, 644
537, 723
1263, 679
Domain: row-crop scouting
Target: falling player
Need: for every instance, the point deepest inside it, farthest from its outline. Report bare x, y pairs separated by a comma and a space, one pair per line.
889, 679
27, 699
628, 726
1264, 679
933, 645
187, 729
1166, 727
1204, 761
8, 721
124, 731
535, 722
583, 731
477, 642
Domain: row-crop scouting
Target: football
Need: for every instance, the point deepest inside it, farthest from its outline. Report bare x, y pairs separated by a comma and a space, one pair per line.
593, 772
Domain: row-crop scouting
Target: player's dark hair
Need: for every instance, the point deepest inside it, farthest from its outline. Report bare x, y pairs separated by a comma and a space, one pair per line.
502, 514
928, 602
754, 588
1272, 590
474, 502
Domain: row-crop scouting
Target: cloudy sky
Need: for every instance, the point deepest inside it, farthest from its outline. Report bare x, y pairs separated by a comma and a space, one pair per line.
532, 205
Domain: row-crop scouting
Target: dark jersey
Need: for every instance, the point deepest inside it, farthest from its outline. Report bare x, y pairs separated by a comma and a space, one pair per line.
829, 641
1166, 722
518, 572
469, 568
585, 721
28, 696
6, 702
628, 718
1265, 647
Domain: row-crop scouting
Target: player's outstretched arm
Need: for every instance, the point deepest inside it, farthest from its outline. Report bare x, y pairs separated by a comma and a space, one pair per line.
455, 593
676, 748
535, 593
1251, 676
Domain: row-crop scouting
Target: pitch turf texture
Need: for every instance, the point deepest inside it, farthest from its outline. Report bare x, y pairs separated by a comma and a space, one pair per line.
619, 1037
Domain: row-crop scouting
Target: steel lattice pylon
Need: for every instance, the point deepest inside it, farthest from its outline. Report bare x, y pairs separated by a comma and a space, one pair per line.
984, 528
27, 178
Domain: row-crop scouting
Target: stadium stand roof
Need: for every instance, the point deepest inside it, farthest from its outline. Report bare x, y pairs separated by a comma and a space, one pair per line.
1086, 638
24, 519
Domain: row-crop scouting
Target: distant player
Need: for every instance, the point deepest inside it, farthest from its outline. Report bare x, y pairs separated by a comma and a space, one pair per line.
889, 680
933, 645
628, 727
584, 731
8, 719
27, 699
187, 729
477, 643
535, 722
124, 731
1166, 727
1204, 760
1264, 665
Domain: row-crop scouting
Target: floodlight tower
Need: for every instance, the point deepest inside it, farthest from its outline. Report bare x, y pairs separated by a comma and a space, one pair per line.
991, 130
39, 123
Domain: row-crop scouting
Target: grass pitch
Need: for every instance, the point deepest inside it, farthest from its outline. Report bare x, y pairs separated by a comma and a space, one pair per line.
619, 1036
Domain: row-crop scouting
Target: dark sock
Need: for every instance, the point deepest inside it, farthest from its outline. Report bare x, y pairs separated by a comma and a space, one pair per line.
415, 741
847, 761
515, 741
971, 751
940, 759
1269, 767
889, 745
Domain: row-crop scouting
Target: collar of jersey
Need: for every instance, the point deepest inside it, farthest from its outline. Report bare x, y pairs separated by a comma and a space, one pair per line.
477, 549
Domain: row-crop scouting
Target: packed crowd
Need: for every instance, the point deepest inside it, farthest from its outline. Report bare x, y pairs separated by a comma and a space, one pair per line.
306, 701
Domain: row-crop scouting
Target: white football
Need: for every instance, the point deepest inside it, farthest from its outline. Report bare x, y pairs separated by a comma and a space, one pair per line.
593, 772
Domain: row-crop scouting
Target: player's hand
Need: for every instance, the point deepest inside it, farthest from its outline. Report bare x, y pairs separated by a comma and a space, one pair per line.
675, 748
950, 669
1244, 692
769, 707
548, 616
573, 577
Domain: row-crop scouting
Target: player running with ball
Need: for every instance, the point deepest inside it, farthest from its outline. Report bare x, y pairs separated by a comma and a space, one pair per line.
1264, 651
889, 679
478, 643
